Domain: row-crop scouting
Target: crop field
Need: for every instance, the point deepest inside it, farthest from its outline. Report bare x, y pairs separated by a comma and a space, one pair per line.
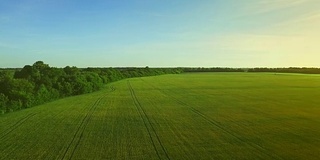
184, 116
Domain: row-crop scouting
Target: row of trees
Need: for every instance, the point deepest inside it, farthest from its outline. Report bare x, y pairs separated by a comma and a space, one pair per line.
287, 70
275, 70
215, 69
39, 83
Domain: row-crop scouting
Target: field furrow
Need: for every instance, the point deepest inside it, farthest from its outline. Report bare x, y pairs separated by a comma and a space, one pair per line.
150, 129
15, 126
79, 133
216, 124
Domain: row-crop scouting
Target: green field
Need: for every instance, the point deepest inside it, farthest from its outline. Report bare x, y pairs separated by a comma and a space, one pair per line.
185, 116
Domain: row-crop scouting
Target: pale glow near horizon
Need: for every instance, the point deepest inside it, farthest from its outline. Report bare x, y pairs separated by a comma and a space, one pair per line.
208, 33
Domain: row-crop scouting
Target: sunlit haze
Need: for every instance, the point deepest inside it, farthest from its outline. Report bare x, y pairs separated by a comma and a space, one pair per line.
160, 33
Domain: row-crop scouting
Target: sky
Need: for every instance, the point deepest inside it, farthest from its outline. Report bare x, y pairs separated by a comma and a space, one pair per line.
160, 33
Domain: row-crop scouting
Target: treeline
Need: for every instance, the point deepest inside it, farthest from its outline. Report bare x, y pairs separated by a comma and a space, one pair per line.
287, 70
39, 83
216, 69
275, 70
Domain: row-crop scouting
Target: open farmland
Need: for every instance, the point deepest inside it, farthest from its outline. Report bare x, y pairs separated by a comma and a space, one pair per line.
185, 116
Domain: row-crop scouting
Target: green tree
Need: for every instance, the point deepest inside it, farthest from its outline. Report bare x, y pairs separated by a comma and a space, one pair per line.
71, 70
3, 103
22, 90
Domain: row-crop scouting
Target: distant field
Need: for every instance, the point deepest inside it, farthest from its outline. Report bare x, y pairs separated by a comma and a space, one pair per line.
185, 116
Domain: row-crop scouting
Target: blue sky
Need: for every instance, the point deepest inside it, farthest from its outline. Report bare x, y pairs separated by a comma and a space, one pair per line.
160, 33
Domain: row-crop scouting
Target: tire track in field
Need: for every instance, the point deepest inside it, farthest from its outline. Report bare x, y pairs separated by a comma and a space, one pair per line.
147, 123
258, 147
79, 133
16, 125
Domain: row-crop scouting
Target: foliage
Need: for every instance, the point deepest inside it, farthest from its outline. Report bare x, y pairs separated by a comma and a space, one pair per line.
277, 70
39, 83
287, 70
215, 69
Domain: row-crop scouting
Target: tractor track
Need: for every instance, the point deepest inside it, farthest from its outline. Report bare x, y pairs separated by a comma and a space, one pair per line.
147, 122
16, 125
79, 133
82, 127
258, 147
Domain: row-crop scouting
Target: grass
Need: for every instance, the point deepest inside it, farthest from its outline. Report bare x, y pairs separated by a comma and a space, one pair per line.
186, 116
